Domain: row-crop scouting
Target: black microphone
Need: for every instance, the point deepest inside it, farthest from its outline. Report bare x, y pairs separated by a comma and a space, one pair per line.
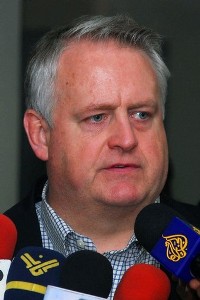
170, 239
84, 275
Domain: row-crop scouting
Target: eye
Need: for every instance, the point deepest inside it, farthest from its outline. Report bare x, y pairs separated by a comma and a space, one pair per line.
97, 118
142, 115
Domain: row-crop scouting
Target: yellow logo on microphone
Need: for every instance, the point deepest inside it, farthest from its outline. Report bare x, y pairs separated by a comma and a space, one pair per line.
176, 246
37, 267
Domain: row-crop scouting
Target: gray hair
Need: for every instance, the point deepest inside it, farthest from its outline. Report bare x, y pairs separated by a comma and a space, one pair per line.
42, 69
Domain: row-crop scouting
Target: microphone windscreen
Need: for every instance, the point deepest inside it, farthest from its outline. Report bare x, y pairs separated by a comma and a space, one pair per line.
170, 240
154, 217
8, 237
143, 282
31, 271
87, 272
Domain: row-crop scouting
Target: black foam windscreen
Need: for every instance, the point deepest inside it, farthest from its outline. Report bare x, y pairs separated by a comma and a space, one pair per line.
87, 272
195, 266
151, 222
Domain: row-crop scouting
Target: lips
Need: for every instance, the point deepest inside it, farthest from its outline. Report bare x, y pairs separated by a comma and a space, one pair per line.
123, 166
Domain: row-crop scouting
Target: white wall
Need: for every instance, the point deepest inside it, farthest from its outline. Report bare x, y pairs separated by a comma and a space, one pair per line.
10, 33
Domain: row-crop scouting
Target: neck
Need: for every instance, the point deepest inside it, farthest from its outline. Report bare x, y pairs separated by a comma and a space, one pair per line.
110, 228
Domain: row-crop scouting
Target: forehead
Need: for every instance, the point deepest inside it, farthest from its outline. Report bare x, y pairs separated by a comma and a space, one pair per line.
84, 50
93, 68
91, 52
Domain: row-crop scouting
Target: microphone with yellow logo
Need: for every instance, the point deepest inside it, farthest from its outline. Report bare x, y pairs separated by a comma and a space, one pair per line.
31, 271
171, 240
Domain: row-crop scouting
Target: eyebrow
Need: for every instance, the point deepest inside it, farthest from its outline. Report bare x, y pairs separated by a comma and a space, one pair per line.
98, 106
110, 106
146, 103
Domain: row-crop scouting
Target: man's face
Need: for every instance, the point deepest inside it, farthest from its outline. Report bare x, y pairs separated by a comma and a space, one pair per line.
107, 145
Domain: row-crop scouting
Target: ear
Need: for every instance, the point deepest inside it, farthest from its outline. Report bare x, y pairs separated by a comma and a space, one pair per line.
38, 133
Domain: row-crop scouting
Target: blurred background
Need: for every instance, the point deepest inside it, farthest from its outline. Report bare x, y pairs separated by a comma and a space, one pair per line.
23, 22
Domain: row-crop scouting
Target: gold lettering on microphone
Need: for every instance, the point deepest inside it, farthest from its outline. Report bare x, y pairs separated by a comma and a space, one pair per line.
37, 267
176, 246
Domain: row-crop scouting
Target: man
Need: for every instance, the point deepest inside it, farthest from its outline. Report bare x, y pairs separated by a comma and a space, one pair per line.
95, 107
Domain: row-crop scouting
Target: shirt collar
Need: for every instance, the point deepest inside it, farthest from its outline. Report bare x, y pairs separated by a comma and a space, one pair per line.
56, 228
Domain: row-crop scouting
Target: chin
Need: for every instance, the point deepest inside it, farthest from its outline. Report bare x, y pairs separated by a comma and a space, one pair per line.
125, 199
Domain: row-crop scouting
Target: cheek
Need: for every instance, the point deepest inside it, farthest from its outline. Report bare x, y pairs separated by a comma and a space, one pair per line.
79, 163
76, 155
156, 149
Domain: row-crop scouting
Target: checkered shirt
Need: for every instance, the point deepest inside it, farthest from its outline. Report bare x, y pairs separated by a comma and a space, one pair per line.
59, 236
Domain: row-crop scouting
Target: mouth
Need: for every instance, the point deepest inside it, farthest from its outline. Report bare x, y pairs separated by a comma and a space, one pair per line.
123, 166
120, 166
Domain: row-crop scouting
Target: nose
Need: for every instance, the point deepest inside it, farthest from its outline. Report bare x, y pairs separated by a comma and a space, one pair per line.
122, 135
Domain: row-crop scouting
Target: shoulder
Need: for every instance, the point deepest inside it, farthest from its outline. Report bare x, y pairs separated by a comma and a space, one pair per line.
191, 213
24, 216
26, 207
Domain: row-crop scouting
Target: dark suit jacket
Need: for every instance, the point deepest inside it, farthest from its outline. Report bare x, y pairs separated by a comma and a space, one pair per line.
24, 216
